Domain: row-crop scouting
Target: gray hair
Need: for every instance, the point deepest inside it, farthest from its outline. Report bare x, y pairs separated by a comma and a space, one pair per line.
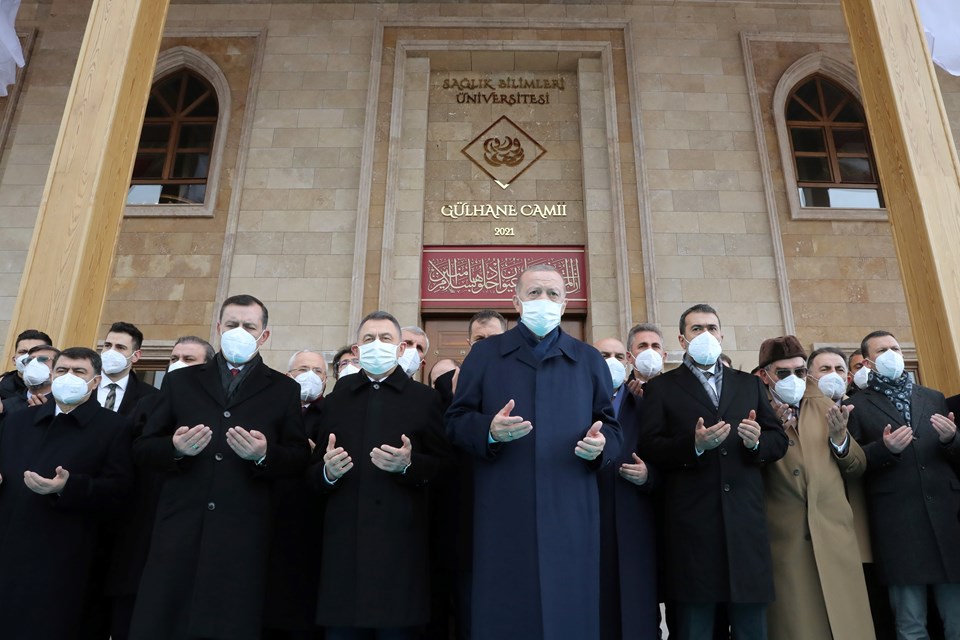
316, 351
417, 331
640, 328
542, 267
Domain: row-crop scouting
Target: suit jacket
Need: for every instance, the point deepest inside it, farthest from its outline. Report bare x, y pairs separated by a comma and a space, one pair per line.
715, 531
206, 571
47, 542
375, 519
913, 497
817, 571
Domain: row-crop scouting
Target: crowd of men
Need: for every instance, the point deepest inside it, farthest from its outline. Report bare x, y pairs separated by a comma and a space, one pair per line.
543, 488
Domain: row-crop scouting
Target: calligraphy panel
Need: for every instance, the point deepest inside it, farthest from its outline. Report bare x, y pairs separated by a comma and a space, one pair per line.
477, 277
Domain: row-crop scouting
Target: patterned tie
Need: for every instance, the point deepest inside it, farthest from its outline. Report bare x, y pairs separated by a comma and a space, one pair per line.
713, 393
111, 396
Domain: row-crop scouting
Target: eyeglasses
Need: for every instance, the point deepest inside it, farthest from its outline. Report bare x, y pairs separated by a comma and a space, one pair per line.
40, 359
317, 370
782, 374
345, 361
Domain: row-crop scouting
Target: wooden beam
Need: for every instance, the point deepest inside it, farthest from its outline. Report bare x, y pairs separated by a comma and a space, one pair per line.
919, 171
68, 266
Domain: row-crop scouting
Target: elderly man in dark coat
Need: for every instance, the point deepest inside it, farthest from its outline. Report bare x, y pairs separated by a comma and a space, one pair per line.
709, 429
913, 493
221, 431
382, 442
533, 406
62, 465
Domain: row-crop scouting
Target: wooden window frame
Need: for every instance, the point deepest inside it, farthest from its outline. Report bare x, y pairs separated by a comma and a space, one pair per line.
170, 62
843, 77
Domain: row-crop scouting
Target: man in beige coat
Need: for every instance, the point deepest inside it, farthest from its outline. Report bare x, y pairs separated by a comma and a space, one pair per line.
818, 577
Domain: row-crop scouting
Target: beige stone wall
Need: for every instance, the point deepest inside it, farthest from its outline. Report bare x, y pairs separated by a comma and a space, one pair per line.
166, 270
297, 217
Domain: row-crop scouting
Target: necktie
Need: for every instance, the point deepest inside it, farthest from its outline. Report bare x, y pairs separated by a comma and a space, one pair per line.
713, 392
111, 399
234, 372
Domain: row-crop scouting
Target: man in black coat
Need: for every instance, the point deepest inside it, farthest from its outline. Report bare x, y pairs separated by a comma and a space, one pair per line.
709, 428
129, 549
913, 493
120, 390
62, 465
221, 432
11, 382
381, 444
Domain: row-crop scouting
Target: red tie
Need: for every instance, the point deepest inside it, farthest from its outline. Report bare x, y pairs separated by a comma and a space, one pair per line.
234, 372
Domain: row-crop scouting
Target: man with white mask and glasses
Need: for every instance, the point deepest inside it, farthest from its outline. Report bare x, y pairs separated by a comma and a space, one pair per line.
222, 432
36, 376
817, 568
913, 493
11, 382
120, 390
63, 465
645, 355
628, 576
381, 442
709, 429
532, 407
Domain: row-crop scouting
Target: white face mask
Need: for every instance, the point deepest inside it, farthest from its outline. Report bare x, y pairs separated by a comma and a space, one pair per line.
36, 373
21, 361
311, 386
541, 316
238, 346
618, 372
179, 364
832, 385
69, 389
113, 361
377, 357
349, 369
409, 361
704, 349
790, 389
648, 363
861, 377
889, 364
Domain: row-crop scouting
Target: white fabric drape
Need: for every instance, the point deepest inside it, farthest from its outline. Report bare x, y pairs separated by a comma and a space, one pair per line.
11, 53
941, 24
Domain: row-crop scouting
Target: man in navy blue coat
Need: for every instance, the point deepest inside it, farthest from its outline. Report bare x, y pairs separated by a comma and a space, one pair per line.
533, 407
628, 576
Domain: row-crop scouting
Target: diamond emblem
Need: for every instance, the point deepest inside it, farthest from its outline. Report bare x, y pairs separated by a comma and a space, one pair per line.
504, 151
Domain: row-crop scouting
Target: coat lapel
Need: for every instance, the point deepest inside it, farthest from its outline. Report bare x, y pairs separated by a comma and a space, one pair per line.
213, 386
881, 402
729, 387
691, 384
918, 409
257, 380
513, 341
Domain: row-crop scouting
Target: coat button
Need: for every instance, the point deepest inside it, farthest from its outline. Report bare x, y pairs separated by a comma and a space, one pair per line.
723, 451
376, 386
226, 414
211, 506
791, 442
796, 472
726, 487
218, 457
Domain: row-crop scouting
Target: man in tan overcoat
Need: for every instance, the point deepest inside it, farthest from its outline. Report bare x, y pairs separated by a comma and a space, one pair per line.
817, 571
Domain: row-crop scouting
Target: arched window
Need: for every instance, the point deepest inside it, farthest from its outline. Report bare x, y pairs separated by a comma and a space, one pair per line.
830, 147
177, 142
